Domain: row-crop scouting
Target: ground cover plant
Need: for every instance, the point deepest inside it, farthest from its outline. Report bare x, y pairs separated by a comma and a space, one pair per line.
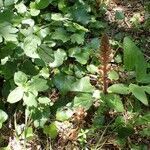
74, 75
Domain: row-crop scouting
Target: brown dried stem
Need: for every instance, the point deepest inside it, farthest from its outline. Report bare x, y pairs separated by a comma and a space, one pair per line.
105, 52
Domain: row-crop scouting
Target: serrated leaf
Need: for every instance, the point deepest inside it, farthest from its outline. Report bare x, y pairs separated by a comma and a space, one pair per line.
30, 46
139, 93
20, 78
38, 84
51, 130
59, 57
15, 95
114, 102
119, 89
3, 117
83, 85
83, 100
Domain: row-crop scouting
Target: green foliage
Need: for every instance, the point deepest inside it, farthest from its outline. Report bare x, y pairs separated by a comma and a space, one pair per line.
49, 68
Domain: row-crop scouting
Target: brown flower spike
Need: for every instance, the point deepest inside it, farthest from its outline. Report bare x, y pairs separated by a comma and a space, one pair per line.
105, 58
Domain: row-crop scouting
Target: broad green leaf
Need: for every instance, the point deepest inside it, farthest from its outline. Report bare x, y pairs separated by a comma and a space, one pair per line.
20, 78
44, 100
51, 130
60, 34
64, 82
119, 89
82, 85
30, 99
45, 53
139, 93
80, 14
81, 55
130, 51
77, 38
134, 60
114, 102
8, 32
30, 46
41, 4
83, 100
15, 95
29, 133
8, 2
146, 89
124, 132
58, 17
21, 8
40, 115
63, 114
113, 75
59, 57
37, 84
92, 68
3, 117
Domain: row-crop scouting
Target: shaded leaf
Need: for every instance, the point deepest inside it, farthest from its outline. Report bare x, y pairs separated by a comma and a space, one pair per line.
3, 117
139, 93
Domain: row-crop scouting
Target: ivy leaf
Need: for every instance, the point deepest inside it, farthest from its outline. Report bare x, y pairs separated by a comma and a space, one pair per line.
81, 55
45, 53
41, 4
63, 82
30, 46
8, 32
80, 14
77, 38
60, 34
15, 95
83, 85
119, 89
38, 84
51, 130
114, 102
3, 117
20, 78
59, 57
139, 93
83, 100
